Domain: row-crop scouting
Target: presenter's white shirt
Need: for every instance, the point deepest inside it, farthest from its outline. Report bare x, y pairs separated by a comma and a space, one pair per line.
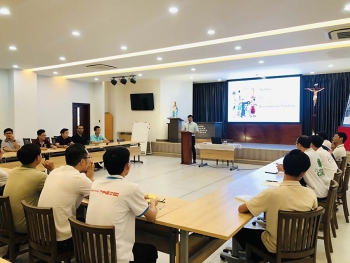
3, 177
64, 189
330, 167
115, 201
339, 152
191, 127
315, 178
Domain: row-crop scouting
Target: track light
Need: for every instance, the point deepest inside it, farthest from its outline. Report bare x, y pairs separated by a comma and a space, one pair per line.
132, 79
123, 80
114, 81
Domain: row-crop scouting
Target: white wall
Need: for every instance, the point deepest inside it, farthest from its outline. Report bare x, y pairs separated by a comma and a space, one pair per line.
97, 106
6, 102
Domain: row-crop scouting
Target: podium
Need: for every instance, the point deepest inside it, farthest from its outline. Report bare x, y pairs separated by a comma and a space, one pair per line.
186, 147
174, 127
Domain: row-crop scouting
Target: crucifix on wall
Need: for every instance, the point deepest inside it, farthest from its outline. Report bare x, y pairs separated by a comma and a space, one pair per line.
314, 90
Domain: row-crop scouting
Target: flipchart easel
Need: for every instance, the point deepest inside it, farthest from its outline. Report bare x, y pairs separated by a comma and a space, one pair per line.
140, 132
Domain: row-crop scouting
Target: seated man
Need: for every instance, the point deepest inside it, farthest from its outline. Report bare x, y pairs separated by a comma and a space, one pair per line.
289, 196
3, 179
314, 177
121, 208
339, 150
97, 138
64, 140
25, 183
64, 190
10, 144
42, 142
329, 165
79, 137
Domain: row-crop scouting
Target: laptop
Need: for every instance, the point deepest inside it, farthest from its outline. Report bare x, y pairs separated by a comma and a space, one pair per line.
216, 140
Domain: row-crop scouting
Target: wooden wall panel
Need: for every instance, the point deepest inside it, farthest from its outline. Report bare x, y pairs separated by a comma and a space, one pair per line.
263, 133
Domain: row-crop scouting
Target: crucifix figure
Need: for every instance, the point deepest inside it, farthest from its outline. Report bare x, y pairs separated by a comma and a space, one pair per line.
315, 90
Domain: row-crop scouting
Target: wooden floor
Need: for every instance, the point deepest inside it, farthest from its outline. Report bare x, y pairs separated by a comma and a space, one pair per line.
166, 176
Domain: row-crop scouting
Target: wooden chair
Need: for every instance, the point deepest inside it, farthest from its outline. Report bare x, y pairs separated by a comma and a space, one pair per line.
296, 238
7, 230
92, 243
341, 166
42, 235
53, 140
337, 178
328, 222
26, 141
34, 140
341, 200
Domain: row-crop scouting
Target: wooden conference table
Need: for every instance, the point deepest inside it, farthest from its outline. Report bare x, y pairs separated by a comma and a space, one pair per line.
96, 152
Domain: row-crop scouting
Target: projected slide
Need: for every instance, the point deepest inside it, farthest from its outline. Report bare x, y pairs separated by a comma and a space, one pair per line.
346, 120
264, 100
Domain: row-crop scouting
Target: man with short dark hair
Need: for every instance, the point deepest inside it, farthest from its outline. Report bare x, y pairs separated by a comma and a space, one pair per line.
191, 126
42, 141
64, 190
25, 183
97, 137
338, 140
327, 145
329, 165
289, 196
64, 140
79, 136
10, 144
123, 202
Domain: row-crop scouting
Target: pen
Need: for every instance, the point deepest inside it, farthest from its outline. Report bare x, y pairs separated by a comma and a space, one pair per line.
271, 181
160, 208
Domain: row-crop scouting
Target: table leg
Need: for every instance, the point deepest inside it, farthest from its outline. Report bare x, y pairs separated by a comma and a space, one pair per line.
173, 234
183, 246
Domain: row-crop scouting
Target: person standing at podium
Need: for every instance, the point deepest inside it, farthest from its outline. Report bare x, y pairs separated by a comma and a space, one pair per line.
191, 126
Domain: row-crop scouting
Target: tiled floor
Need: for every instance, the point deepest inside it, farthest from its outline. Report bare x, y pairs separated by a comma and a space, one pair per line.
166, 176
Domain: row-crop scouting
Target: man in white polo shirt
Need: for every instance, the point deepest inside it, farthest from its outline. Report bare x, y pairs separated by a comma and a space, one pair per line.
115, 201
191, 126
329, 165
338, 140
289, 196
65, 188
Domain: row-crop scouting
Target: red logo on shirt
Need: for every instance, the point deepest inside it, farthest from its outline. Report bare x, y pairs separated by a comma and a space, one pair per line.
104, 192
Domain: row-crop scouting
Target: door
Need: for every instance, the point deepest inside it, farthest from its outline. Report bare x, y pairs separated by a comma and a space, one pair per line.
81, 116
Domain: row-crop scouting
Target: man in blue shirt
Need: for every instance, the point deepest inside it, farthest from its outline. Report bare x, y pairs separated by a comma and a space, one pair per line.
97, 138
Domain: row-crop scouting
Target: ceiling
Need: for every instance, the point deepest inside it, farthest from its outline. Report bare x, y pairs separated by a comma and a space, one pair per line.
268, 30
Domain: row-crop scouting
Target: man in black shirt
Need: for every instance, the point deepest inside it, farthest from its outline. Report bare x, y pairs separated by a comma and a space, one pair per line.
79, 137
64, 140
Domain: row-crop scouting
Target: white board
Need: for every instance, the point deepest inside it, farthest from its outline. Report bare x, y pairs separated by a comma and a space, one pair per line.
139, 132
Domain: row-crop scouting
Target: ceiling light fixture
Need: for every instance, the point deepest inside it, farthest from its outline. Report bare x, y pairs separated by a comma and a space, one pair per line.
123, 47
261, 62
191, 77
140, 75
330, 66
173, 10
114, 81
211, 32
75, 33
347, 8
96, 78
55, 72
193, 69
159, 58
62, 58
123, 80
132, 80
4, 11
219, 79
312, 72
15, 66
12, 48
238, 48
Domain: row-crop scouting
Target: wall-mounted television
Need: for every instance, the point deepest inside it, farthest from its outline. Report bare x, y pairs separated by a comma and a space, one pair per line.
142, 101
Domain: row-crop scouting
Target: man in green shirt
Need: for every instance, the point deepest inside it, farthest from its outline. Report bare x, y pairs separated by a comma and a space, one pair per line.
25, 183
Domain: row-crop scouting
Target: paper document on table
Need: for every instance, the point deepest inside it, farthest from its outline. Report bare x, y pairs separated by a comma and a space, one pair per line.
244, 198
271, 184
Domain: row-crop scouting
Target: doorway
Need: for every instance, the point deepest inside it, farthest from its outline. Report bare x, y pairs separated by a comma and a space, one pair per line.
81, 116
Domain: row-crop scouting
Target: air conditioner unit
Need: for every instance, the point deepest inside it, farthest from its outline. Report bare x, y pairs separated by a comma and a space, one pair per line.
338, 34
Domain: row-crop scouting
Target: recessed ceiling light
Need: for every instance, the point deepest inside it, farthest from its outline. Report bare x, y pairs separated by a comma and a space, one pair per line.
62, 58
261, 62
191, 77
55, 72
96, 78
140, 75
12, 48
4, 11
75, 33
211, 32
15, 66
173, 10
159, 58
124, 47
312, 72
347, 8
238, 48
331, 66
193, 69
219, 79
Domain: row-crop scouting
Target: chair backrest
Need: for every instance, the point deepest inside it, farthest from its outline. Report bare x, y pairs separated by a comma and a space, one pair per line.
93, 244
331, 198
6, 220
47, 139
345, 185
53, 139
26, 140
297, 233
337, 176
34, 140
41, 228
